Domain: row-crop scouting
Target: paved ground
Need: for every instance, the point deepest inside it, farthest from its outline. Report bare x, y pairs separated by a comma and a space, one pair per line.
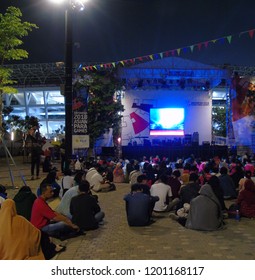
163, 240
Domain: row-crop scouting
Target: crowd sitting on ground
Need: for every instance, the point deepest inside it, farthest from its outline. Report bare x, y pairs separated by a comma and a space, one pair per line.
192, 191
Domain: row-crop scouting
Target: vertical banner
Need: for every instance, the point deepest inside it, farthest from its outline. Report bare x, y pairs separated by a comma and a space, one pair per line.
243, 112
80, 118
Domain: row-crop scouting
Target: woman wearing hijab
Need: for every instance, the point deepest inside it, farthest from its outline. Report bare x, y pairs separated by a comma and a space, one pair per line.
118, 173
246, 199
24, 201
206, 209
19, 239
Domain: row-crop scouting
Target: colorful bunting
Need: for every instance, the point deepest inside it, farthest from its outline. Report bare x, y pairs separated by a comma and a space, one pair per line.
206, 43
221, 40
229, 38
166, 53
251, 32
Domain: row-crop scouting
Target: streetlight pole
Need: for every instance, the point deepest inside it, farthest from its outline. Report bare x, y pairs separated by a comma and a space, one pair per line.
68, 89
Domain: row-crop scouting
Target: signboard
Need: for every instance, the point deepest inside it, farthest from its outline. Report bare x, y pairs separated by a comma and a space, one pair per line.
80, 141
80, 120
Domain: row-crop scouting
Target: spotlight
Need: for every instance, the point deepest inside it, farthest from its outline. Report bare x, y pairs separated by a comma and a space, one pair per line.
79, 4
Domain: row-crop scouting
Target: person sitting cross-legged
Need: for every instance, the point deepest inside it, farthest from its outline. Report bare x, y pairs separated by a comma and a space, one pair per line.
24, 201
134, 174
84, 208
246, 199
100, 184
227, 184
205, 210
118, 173
51, 179
142, 179
19, 239
164, 192
189, 191
64, 205
49, 221
139, 206
3, 194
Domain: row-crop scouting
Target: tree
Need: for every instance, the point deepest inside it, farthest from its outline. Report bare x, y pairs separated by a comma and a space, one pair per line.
219, 121
20, 125
12, 30
23, 124
103, 108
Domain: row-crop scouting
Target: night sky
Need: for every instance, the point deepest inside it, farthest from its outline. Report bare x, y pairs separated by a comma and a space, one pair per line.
113, 30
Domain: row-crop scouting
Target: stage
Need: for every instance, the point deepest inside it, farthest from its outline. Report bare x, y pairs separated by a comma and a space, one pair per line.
204, 152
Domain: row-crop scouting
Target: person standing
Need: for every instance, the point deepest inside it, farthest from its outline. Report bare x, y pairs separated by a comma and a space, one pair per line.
62, 155
33, 142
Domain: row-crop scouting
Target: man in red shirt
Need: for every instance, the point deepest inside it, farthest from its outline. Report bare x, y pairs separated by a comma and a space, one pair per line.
47, 220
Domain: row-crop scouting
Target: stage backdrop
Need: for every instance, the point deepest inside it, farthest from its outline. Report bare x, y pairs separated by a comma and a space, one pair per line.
243, 112
136, 117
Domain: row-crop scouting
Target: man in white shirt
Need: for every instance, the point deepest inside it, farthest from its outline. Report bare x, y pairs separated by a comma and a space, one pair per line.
164, 192
66, 182
99, 184
96, 180
91, 172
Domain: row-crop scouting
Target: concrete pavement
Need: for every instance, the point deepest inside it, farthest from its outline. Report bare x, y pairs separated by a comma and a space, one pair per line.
163, 240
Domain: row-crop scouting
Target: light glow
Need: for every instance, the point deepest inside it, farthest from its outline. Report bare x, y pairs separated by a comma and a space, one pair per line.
79, 4
167, 121
57, 1
167, 133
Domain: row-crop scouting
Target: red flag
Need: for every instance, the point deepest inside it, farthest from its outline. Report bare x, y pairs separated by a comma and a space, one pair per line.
251, 33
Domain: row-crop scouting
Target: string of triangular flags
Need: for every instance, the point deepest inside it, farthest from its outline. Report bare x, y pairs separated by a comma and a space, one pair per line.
160, 55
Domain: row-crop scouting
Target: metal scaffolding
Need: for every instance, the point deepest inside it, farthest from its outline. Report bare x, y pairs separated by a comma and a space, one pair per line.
41, 74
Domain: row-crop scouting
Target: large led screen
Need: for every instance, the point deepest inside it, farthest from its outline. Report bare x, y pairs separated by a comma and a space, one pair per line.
167, 121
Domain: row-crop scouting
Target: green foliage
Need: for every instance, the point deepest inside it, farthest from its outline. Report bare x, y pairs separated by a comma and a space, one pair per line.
12, 30
7, 110
5, 81
219, 121
103, 109
21, 125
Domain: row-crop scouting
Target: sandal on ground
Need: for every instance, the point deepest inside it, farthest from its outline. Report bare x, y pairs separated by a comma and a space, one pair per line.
60, 248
